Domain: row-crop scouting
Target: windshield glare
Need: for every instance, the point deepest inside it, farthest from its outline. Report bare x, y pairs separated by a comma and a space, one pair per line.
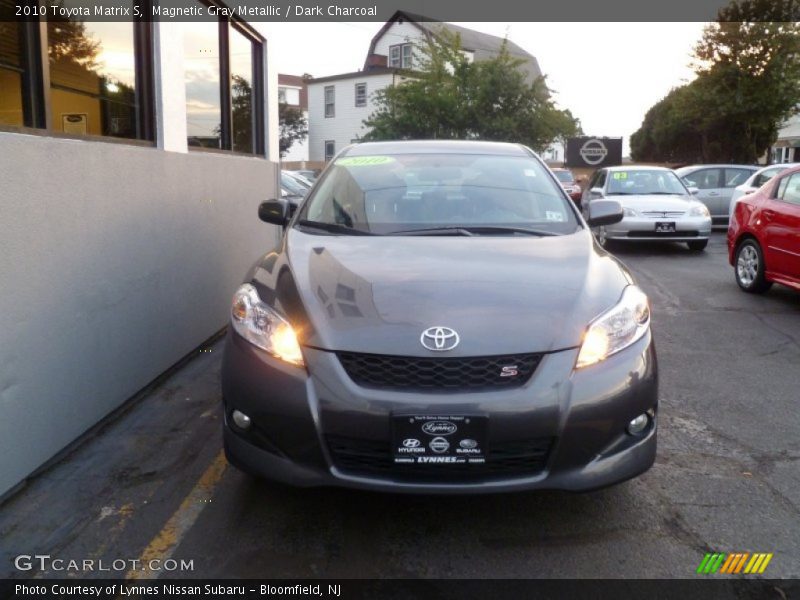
410, 192
645, 182
564, 176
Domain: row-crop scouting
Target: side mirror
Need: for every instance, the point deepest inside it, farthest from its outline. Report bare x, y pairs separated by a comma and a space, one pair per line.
693, 190
604, 212
275, 212
596, 192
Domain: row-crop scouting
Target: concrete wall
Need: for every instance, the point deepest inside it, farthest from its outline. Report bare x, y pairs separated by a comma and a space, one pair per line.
115, 261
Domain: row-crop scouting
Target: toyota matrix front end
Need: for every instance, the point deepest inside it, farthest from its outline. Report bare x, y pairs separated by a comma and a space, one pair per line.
463, 334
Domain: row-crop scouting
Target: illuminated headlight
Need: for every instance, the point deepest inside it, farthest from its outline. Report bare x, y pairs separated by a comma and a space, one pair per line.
629, 212
260, 325
616, 329
699, 210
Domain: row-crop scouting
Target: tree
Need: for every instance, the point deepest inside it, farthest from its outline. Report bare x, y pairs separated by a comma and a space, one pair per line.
242, 117
449, 97
293, 126
748, 83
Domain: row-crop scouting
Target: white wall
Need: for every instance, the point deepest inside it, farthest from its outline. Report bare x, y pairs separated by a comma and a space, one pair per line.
398, 34
299, 150
348, 122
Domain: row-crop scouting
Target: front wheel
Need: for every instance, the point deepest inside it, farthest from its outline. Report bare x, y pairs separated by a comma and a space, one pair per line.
749, 268
697, 246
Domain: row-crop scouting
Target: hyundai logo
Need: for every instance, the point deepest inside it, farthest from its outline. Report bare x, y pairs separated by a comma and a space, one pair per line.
439, 339
411, 443
439, 428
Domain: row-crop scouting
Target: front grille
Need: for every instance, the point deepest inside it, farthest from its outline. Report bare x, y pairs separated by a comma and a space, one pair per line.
663, 234
660, 214
447, 374
370, 458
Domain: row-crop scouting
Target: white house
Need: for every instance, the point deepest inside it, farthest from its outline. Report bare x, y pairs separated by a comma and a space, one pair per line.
292, 91
338, 105
787, 148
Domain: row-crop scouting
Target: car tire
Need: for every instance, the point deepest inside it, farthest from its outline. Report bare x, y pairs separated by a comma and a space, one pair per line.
697, 246
749, 268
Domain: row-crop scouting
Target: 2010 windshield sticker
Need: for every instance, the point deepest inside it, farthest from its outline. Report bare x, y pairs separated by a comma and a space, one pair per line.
364, 161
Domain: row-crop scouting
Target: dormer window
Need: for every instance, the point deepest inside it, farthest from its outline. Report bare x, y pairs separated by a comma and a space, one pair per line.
400, 56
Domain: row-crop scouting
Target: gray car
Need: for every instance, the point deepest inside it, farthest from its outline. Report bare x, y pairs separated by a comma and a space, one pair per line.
469, 336
657, 207
715, 186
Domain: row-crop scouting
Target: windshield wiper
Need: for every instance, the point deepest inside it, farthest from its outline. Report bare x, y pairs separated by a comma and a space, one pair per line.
470, 230
333, 228
434, 231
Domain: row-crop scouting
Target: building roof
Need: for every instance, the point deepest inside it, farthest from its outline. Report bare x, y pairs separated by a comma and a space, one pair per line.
482, 45
357, 74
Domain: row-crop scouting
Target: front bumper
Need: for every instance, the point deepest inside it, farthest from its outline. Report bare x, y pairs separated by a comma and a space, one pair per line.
585, 413
687, 229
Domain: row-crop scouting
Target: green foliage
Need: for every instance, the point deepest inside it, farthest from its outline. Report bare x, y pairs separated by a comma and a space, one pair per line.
293, 126
449, 97
748, 83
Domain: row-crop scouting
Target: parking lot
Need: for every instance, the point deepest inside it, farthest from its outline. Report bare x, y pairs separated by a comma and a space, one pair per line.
153, 483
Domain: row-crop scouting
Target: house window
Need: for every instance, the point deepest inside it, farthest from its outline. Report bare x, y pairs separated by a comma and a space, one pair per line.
11, 72
224, 87
361, 94
281, 95
401, 55
330, 150
330, 101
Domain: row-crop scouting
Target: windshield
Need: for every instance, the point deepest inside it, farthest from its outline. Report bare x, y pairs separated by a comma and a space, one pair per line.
645, 182
564, 176
414, 192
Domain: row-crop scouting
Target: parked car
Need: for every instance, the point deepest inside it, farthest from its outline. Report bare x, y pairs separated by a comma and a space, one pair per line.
656, 203
764, 235
291, 186
715, 185
308, 174
471, 338
756, 180
569, 184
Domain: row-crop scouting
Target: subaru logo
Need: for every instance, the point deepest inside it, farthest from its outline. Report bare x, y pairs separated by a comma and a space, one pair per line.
439, 339
439, 445
468, 443
439, 428
411, 443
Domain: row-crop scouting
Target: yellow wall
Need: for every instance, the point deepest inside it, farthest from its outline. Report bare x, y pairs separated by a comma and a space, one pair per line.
10, 98
63, 102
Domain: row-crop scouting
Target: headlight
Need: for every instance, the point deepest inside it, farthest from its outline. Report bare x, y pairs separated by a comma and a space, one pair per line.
262, 326
629, 212
616, 329
699, 211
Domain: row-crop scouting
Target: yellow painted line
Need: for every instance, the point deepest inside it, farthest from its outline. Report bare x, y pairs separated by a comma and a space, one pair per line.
164, 543
765, 563
755, 563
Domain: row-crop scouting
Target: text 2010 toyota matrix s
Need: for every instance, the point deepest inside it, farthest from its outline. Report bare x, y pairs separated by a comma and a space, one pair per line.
438, 318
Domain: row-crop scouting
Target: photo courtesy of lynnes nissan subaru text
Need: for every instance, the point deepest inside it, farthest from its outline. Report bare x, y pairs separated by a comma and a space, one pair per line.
438, 318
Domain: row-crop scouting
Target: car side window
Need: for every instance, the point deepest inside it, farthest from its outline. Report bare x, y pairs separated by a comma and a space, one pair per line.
706, 179
765, 177
789, 189
734, 177
601, 179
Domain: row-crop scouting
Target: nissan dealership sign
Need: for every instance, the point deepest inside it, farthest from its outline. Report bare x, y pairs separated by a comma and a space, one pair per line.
594, 152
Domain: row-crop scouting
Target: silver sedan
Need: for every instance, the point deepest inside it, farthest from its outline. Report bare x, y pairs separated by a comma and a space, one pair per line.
656, 203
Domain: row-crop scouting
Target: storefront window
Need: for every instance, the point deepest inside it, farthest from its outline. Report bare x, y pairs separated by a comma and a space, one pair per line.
241, 53
202, 66
92, 78
11, 71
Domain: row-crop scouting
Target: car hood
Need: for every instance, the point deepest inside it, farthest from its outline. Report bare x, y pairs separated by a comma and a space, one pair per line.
647, 202
502, 294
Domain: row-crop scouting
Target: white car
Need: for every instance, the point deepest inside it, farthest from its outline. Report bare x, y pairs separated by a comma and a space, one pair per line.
656, 204
756, 180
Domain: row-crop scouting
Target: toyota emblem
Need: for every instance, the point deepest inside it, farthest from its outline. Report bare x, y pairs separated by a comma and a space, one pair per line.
439, 339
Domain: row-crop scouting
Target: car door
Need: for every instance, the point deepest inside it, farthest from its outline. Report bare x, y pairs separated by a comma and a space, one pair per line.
781, 228
710, 185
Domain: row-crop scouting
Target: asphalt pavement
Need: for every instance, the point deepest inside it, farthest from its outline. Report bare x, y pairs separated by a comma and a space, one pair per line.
153, 483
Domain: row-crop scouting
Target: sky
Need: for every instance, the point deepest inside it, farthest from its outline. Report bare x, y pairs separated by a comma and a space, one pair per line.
607, 74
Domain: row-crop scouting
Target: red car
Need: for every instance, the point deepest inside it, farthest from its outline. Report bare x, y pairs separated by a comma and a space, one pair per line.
569, 184
764, 235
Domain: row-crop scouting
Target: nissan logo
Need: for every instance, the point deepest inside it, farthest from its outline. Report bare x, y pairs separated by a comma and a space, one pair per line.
593, 152
439, 445
439, 339
439, 428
